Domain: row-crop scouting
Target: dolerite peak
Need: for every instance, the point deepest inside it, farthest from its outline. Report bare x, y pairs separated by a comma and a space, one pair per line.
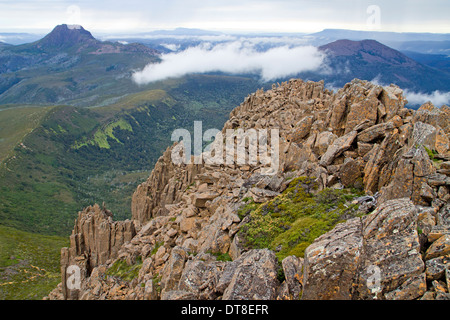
186, 221
66, 36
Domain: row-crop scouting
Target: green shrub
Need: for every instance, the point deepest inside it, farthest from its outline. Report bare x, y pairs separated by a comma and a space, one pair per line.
220, 256
289, 223
121, 269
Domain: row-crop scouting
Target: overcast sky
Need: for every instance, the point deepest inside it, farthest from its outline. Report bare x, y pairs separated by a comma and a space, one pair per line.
227, 15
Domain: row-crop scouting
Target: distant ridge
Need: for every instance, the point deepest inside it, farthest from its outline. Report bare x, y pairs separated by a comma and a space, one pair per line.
383, 36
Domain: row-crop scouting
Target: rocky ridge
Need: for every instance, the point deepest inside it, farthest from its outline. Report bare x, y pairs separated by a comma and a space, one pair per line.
184, 239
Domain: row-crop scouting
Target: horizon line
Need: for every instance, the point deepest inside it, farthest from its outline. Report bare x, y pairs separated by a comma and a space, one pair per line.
43, 31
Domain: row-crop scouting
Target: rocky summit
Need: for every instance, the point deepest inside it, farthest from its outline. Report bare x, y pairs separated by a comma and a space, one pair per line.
358, 208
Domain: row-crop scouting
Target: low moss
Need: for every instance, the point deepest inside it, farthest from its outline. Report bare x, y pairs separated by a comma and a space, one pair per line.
221, 256
289, 223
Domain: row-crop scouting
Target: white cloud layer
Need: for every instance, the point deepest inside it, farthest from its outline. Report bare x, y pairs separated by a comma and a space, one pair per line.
437, 98
234, 57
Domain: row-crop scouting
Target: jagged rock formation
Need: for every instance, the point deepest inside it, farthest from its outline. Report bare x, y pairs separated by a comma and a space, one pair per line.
94, 240
185, 223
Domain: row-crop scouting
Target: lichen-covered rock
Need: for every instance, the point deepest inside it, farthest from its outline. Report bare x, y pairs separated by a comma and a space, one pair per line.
331, 263
366, 259
200, 276
254, 277
440, 247
337, 148
436, 267
391, 247
173, 270
293, 273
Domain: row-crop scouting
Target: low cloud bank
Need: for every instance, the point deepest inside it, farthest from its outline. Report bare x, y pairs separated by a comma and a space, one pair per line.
437, 98
234, 57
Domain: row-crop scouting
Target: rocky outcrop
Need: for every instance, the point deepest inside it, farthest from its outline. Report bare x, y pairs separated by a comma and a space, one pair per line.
367, 258
95, 240
184, 240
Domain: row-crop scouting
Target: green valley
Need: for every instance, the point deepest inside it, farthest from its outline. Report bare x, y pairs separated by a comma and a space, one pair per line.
71, 157
56, 160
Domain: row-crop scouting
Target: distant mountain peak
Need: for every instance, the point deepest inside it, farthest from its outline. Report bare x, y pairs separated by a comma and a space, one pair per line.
64, 35
370, 51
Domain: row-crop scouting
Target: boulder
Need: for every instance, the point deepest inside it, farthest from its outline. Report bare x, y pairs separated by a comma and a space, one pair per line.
200, 277
424, 135
375, 132
365, 111
337, 148
391, 250
331, 263
173, 269
200, 199
261, 195
411, 289
436, 267
442, 142
440, 247
409, 176
350, 172
323, 141
293, 267
302, 129
254, 277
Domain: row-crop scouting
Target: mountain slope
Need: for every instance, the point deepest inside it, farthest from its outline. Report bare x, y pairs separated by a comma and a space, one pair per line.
70, 66
371, 60
28, 264
389, 38
15, 124
437, 61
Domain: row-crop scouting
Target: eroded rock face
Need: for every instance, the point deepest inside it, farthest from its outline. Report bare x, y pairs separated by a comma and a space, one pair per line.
185, 223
